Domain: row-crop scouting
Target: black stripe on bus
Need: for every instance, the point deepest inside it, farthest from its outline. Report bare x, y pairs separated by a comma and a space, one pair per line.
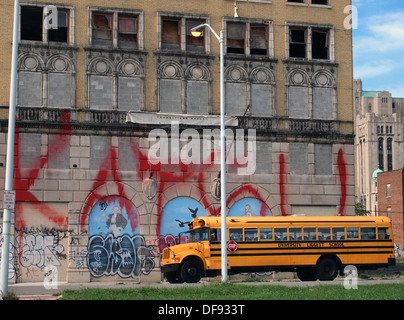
310, 248
299, 253
310, 241
311, 221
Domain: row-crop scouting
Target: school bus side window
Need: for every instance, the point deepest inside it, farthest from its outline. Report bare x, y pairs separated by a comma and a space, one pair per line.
324, 234
384, 233
251, 234
236, 234
310, 234
281, 234
368, 233
215, 235
295, 234
352, 233
266, 234
338, 234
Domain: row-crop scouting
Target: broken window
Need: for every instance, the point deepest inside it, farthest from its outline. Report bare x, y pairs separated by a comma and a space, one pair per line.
297, 44
196, 44
31, 23
235, 38
171, 34
61, 34
319, 44
102, 29
258, 40
127, 32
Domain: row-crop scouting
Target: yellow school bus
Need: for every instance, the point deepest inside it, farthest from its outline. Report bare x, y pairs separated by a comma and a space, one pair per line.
313, 247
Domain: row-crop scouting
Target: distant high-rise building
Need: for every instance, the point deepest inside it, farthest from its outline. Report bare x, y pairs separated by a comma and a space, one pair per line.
379, 140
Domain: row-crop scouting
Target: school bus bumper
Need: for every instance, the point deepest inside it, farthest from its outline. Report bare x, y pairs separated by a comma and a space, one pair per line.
170, 268
391, 261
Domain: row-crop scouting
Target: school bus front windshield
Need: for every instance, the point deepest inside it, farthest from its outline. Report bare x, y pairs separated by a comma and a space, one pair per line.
199, 235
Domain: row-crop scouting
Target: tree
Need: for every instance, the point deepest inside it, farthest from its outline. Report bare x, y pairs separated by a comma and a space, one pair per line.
360, 210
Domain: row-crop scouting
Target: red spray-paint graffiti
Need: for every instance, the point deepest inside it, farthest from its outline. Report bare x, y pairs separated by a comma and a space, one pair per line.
25, 178
282, 182
342, 171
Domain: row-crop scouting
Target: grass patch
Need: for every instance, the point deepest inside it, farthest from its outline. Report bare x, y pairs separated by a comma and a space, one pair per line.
242, 292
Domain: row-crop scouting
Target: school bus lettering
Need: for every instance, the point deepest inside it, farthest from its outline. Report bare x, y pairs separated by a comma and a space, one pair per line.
290, 245
336, 244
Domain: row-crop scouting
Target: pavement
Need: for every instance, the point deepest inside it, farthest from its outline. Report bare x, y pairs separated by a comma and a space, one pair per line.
37, 290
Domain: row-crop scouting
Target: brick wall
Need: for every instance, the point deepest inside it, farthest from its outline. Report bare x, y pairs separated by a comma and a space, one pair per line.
390, 188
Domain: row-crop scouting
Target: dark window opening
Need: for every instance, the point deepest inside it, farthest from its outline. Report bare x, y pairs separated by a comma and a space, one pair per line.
297, 46
258, 40
127, 32
31, 23
171, 34
235, 38
61, 34
389, 154
195, 44
381, 154
102, 29
324, 2
320, 45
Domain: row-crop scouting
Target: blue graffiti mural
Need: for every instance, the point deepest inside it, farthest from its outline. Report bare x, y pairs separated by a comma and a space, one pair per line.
249, 207
115, 246
177, 214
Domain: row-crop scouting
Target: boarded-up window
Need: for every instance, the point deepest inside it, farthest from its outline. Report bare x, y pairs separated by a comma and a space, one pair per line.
297, 44
171, 34
102, 29
235, 38
127, 32
196, 44
258, 40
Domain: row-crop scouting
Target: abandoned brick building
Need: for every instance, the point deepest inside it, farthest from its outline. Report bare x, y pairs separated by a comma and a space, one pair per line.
90, 201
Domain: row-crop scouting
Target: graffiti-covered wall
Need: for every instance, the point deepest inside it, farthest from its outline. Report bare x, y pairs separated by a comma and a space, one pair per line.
95, 207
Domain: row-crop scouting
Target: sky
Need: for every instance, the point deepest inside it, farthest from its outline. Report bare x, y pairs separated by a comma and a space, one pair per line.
379, 45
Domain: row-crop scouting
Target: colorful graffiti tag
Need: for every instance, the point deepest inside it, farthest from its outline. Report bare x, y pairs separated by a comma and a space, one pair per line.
115, 246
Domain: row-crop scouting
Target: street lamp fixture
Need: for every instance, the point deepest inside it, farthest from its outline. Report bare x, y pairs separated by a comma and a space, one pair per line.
197, 32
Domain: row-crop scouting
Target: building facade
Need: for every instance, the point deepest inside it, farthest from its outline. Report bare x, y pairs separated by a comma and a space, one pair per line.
391, 202
379, 144
109, 168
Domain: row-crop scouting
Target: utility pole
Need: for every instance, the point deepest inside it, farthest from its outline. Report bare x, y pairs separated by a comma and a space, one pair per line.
5, 257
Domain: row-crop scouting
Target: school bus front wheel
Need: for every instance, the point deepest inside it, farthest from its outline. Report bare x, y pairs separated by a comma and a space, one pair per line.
191, 271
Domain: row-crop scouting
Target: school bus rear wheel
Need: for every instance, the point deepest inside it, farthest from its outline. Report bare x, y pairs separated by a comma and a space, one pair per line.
327, 269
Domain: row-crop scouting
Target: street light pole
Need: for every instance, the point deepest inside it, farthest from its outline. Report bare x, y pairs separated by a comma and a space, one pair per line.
195, 33
5, 256
223, 162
